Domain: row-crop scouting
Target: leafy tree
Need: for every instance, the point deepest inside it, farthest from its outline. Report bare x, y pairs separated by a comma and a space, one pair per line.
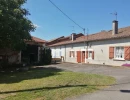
15, 27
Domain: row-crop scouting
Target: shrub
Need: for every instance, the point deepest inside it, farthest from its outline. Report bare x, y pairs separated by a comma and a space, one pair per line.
45, 56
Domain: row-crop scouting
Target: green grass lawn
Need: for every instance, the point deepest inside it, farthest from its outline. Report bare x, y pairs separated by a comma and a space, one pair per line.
49, 84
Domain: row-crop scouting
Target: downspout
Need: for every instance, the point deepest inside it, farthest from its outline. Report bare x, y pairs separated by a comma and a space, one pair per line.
87, 44
84, 46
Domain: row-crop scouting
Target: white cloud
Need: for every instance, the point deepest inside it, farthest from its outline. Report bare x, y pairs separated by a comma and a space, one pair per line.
37, 26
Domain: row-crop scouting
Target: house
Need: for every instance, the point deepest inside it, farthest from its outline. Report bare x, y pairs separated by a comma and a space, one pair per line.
31, 53
106, 47
33, 50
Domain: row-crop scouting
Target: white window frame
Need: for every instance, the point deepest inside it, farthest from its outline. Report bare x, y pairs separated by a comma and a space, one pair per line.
89, 55
90, 50
119, 54
72, 53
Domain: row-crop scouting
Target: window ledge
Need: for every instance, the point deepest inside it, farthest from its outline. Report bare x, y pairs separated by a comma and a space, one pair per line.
119, 59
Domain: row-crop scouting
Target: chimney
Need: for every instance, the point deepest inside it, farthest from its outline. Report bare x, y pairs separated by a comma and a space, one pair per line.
114, 27
73, 36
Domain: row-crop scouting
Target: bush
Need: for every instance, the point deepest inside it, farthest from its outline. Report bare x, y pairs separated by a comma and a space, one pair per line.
45, 56
4, 64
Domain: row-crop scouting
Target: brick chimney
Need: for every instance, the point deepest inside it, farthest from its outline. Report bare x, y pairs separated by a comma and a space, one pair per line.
114, 27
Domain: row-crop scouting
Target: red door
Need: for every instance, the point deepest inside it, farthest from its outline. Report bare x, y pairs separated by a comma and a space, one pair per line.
79, 56
83, 56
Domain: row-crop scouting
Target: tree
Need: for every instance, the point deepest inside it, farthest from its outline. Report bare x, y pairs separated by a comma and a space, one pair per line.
46, 56
15, 27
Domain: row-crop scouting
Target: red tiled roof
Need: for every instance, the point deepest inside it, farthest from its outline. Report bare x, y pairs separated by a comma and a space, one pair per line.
62, 39
38, 40
104, 35
56, 39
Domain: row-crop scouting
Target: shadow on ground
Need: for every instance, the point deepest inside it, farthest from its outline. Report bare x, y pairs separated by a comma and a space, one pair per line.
125, 91
59, 87
44, 88
32, 73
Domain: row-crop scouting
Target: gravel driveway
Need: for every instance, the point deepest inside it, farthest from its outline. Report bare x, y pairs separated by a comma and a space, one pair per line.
119, 91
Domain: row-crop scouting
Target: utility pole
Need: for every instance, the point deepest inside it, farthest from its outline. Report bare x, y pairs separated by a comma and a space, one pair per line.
70, 20
84, 37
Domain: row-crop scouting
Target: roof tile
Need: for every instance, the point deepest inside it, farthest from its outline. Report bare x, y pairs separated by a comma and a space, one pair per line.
38, 40
104, 35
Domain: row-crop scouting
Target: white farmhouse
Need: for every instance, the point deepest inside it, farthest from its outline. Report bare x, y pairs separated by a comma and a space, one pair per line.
106, 47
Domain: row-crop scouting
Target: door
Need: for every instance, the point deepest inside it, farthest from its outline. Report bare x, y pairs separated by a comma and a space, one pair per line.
83, 56
79, 56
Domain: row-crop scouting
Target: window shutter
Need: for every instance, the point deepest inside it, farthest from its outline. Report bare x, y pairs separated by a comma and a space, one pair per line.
79, 56
127, 53
92, 54
86, 54
111, 52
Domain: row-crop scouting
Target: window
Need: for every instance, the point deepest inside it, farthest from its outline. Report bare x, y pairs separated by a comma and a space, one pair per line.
72, 54
89, 54
119, 53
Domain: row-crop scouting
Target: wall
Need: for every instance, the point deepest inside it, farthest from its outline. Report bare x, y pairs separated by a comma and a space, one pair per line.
65, 51
75, 48
101, 51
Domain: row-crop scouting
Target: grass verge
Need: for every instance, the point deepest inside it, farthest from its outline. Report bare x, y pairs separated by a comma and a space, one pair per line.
49, 84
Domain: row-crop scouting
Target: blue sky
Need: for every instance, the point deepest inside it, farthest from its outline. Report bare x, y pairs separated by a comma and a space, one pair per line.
92, 14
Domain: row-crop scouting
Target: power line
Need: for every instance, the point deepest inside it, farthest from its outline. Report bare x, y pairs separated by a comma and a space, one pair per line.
65, 14
71, 20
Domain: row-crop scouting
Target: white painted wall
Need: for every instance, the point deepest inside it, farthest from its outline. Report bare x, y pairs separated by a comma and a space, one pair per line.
101, 51
53, 52
65, 50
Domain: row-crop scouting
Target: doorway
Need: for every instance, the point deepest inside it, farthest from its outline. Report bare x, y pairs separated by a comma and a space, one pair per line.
83, 56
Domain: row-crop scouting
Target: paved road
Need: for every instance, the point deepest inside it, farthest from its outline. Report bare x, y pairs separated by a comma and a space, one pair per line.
119, 91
